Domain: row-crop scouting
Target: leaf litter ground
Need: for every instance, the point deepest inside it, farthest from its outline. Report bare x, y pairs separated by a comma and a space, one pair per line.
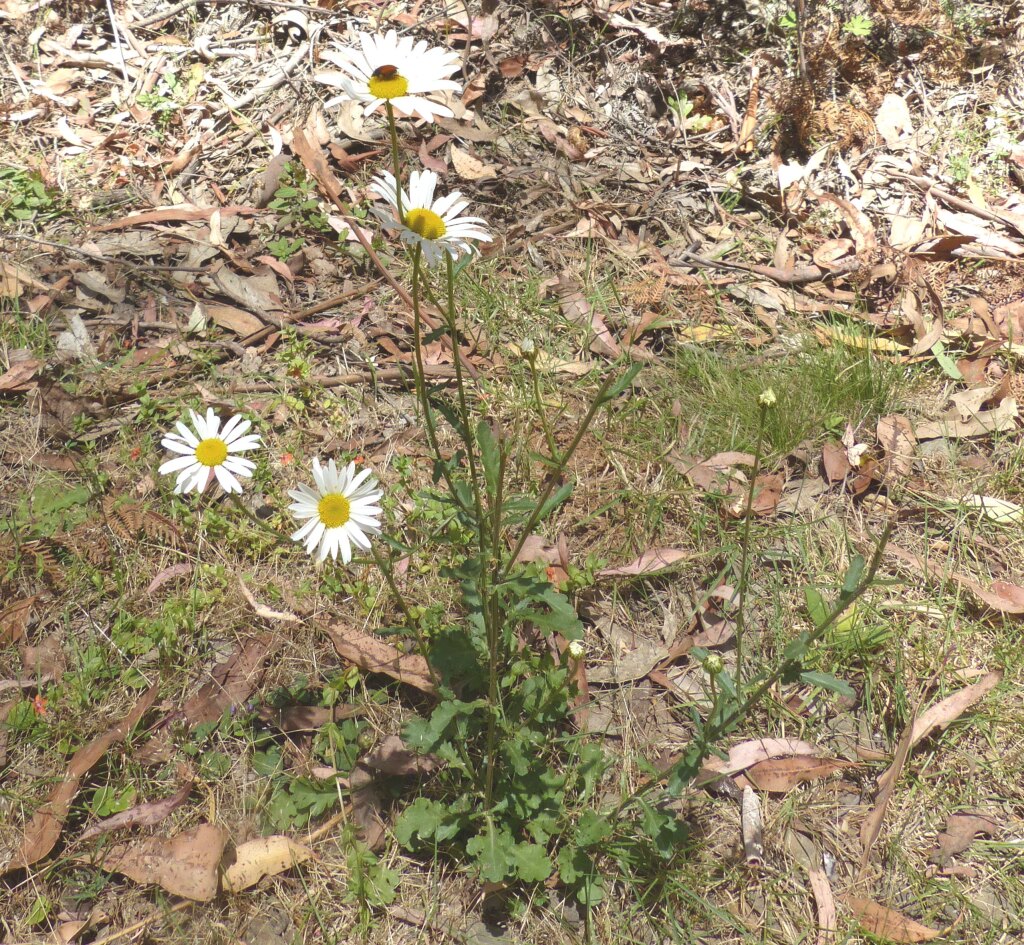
833, 211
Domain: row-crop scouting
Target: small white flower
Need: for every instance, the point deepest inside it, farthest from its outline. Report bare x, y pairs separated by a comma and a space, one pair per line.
432, 224
210, 451
340, 512
389, 69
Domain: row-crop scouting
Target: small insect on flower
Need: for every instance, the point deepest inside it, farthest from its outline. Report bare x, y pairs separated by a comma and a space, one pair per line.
369, 74
341, 510
211, 451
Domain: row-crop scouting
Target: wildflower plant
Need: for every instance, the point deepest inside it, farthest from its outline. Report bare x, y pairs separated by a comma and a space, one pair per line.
518, 793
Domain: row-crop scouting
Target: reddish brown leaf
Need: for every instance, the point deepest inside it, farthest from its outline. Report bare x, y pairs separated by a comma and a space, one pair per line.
373, 655
749, 753
183, 214
889, 924
19, 378
392, 757
834, 459
650, 562
306, 718
44, 828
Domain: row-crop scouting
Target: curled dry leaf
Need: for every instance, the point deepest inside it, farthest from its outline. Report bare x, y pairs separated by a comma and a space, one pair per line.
1001, 596
142, 815
781, 775
186, 865
961, 829
20, 377
889, 924
393, 757
14, 620
373, 655
232, 681
44, 828
306, 718
265, 856
578, 310
749, 753
171, 573
896, 436
650, 562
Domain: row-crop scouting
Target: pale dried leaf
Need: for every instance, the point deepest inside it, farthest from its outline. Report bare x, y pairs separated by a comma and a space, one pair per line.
265, 856
650, 562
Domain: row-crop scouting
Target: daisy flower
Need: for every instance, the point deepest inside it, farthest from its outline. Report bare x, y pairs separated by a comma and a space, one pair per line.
341, 511
210, 451
388, 69
434, 225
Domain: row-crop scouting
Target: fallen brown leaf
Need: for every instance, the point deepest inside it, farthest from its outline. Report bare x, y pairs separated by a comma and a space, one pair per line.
577, 309
393, 757
186, 865
1001, 596
44, 828
896, 436
749, 753
889, 924
373, 655
265, 856
835, 462
20, 376
306, 718
961, 829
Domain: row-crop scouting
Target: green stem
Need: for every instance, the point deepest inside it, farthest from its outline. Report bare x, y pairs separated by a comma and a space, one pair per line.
467, 429
419, 380
556, 473
491, 606
262, 526
745, 550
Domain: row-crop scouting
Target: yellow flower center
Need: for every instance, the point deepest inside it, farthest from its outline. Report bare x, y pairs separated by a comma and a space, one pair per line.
426, 223
212, 452
388, 85
334, 510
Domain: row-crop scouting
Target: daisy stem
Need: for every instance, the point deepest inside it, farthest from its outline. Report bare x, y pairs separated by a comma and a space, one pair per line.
745, 549
396, 160
549, 435
419, 379
556, 473
467, 430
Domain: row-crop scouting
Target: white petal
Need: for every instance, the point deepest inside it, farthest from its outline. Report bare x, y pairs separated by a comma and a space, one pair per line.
228, 482
212, 422
302, 532
177, 464
176, 445
186, 434
346, 547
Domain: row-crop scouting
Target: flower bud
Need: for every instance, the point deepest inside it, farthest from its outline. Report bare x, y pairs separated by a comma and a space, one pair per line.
713, 664
575, 650
767, 398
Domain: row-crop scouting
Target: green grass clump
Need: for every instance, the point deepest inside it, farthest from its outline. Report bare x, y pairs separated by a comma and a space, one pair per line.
819, 391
